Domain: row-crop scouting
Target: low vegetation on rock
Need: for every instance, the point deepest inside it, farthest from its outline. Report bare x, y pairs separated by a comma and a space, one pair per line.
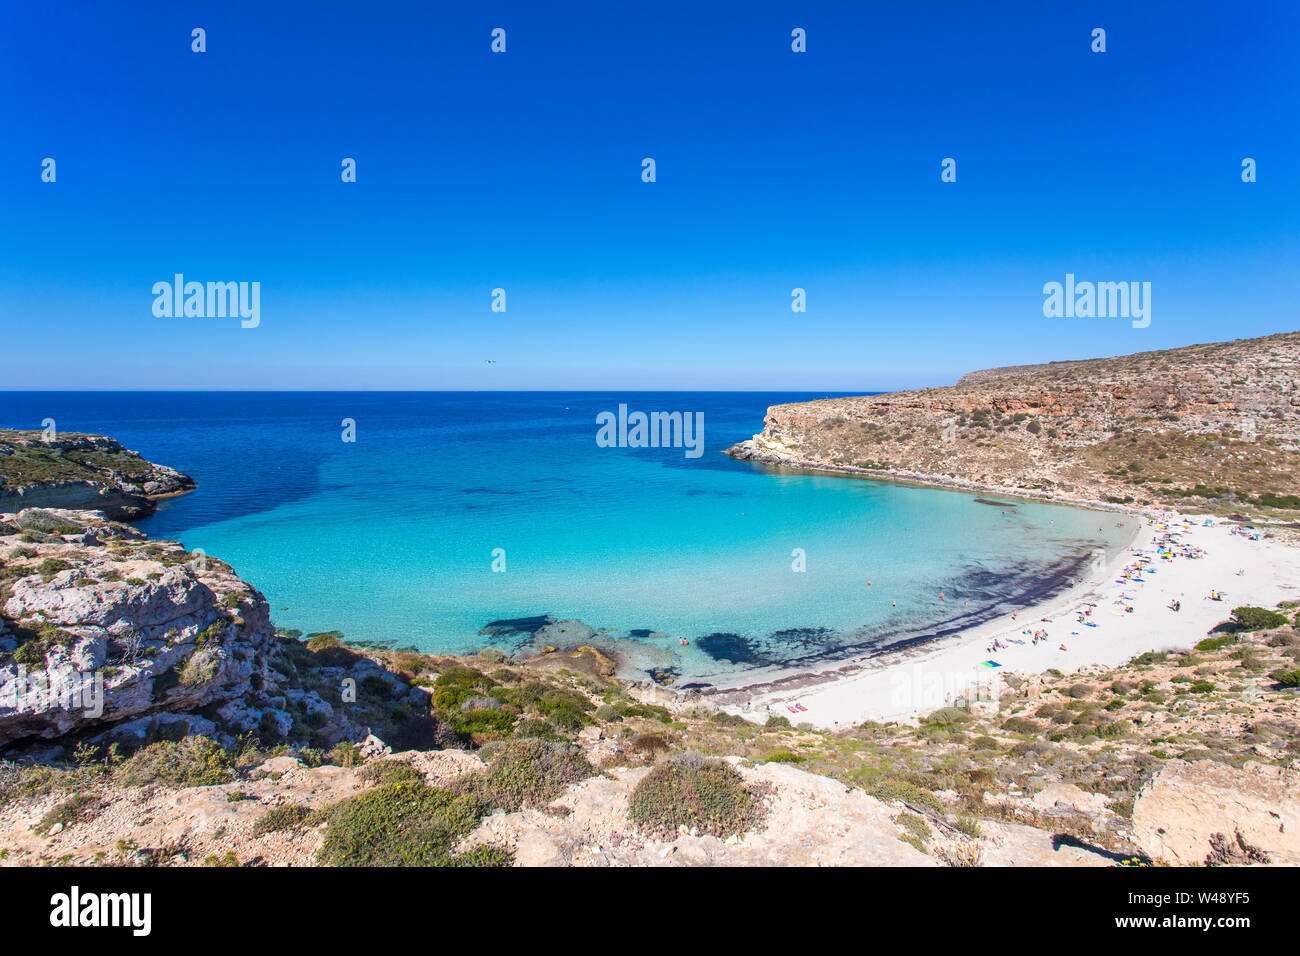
696, 793
403, 824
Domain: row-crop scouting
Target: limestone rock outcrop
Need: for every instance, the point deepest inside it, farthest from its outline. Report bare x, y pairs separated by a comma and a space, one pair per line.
1212, 813
100, 626
88, 472
1208, 422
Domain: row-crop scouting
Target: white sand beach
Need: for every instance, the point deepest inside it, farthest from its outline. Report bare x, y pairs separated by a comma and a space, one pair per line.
1198, 558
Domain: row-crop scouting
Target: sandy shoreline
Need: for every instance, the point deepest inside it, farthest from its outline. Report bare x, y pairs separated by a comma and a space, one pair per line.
904, 684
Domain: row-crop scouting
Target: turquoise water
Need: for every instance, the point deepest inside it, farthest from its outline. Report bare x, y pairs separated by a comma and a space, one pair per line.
394, 537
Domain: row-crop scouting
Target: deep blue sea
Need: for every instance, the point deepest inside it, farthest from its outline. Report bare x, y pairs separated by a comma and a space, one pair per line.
395, 537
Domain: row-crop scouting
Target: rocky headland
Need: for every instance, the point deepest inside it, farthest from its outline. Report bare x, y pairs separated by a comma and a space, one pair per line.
81, 472
1217, 426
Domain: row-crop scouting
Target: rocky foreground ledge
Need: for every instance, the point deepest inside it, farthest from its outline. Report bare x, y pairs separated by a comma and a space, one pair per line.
81, 472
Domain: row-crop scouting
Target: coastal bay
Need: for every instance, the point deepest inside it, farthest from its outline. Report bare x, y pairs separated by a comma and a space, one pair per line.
393, 538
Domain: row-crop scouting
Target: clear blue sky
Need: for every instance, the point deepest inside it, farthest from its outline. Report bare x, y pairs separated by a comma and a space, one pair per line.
522, 171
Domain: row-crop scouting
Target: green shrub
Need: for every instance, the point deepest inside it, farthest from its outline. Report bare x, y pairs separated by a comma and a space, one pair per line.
193, 762
724, 719
345, 754
706, 795
323, 640
648, 711
652, 746
1020, 725
44, 522
37, 640
1271, 500
915, 825
785, 756
1287, 677
399, 824
1114, 730
457, 684
1216, 643
565, 709
777, 722
538, 729
525, 773
198, 669
76, 809
947, 717
20, 782
31, 653
212, 634
384, 772
1257, 618
893, 788
286, 817
479, 726
52, 566
485, 856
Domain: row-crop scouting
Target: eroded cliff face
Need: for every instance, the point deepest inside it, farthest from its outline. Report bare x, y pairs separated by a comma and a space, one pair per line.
108, 637
1215, 421
76, 471
93, 615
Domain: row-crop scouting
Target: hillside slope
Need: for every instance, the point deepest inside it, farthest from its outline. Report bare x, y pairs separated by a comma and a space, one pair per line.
1216, 423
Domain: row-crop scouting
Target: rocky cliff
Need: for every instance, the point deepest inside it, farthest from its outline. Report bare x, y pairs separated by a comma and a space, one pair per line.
107, 636
1214, 423
85, 600
81, 472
